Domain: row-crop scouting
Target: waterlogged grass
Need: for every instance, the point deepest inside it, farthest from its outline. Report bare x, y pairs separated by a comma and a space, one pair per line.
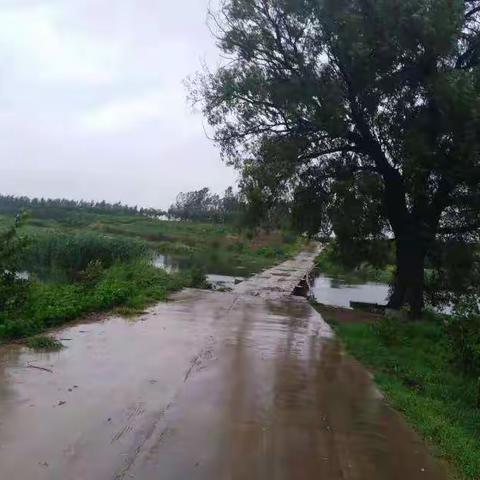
60, 249
127, 285
412, 365
99, 262
62, 256
44, 343
217, 248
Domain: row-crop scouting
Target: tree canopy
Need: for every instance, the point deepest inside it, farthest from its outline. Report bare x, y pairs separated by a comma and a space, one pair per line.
363, 113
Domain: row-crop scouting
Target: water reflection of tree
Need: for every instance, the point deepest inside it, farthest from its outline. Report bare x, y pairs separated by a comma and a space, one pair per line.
9, 359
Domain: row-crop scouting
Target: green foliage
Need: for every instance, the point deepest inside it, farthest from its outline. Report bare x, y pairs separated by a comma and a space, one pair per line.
197, 278
363, 114
334, 261
463, 332
64, 256
13, 290
44, 343
92, 273
419, 379
201, 205
70, 212
453, 272
388, 332
103, 263
132, 285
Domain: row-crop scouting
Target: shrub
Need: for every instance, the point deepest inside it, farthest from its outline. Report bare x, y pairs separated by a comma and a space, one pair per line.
197, 278
44, 343
463, 332
92, 274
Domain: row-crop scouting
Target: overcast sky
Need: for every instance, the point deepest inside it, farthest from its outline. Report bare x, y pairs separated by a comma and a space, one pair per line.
92, 104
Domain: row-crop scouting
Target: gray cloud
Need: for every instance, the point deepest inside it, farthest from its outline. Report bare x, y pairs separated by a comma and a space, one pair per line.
92, 103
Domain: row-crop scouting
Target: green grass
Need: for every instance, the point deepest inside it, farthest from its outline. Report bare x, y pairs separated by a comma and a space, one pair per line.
81, 264
128, 285
62, 256
58, 246
414, 369
44, 343
217, 247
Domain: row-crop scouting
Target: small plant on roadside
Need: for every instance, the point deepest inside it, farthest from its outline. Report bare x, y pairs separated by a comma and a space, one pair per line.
197, 278
44, 343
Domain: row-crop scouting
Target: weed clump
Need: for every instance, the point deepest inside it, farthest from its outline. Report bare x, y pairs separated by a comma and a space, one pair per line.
387, 331
463, 333
44, 343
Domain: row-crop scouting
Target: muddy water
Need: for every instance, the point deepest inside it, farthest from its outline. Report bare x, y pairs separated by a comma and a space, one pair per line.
208, 386
216, 281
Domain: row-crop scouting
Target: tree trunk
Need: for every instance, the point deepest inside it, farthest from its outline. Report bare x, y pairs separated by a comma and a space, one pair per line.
408, 287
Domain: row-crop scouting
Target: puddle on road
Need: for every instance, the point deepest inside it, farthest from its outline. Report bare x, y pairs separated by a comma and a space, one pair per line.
211, 385
115, 377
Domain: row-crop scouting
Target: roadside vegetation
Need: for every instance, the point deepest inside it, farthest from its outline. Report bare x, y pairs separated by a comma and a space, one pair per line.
72, 263
359, 269
44, 343
429, 369
427, 372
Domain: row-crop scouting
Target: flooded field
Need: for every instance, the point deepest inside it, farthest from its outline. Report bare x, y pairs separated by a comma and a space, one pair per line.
245, 385
211, 264
219, 275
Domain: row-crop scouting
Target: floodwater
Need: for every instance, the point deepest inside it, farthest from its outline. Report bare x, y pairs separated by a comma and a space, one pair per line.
336, 292
211, 263
208, 386
217, 281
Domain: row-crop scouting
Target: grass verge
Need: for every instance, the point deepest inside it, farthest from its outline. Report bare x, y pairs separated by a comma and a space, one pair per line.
413, 368
127, 285
44, 343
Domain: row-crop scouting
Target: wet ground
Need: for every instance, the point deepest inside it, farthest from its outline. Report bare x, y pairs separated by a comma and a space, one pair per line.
249, 385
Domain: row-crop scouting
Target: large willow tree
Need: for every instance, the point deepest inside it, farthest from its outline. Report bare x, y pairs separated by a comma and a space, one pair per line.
364, 112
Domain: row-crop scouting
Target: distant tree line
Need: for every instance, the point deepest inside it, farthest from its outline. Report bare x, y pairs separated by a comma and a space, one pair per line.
202, 205
60, 207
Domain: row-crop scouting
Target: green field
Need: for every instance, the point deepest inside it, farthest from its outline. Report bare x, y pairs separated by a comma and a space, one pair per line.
80, 262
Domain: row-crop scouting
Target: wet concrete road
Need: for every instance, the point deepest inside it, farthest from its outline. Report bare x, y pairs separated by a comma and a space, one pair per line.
208, 386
